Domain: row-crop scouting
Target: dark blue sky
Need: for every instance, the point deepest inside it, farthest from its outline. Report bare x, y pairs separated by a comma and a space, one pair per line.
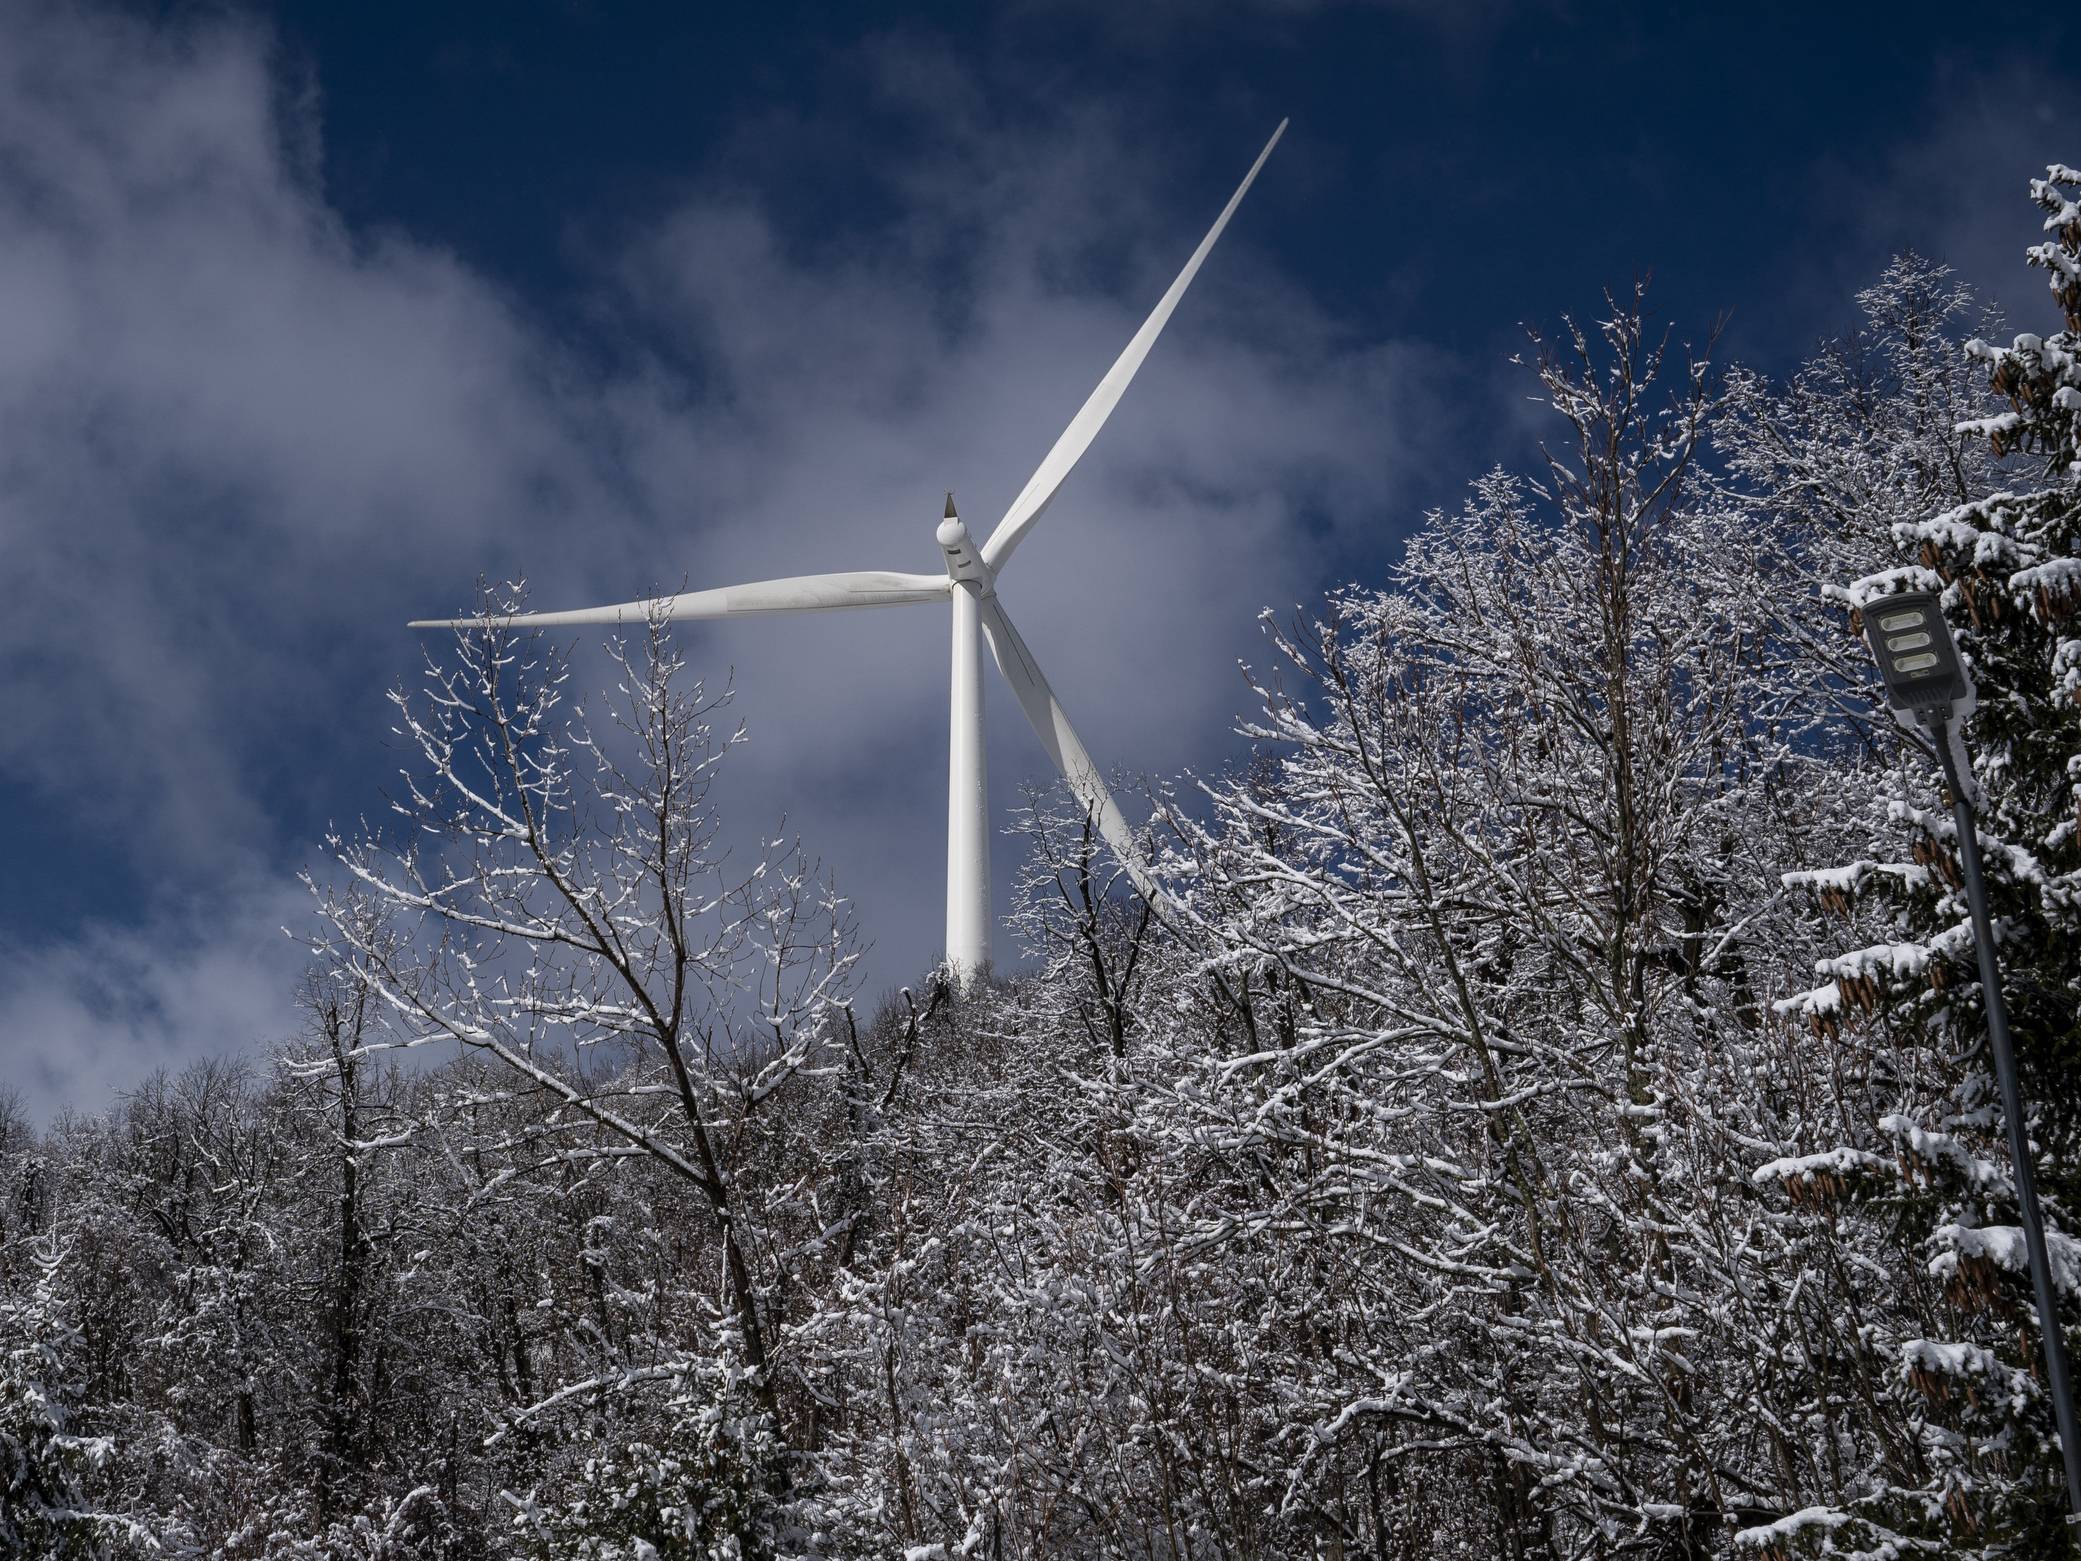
311, 313
1450, 171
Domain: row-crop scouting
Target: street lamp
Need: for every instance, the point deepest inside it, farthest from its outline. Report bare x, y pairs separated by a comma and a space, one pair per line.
1924, 678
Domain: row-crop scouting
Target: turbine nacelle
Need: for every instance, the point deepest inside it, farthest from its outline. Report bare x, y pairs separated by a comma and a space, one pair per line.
965, 564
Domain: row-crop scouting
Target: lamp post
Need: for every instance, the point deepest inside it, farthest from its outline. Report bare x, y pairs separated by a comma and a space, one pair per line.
1924, 677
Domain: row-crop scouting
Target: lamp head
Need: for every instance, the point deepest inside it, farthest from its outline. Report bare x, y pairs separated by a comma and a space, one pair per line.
1917, 657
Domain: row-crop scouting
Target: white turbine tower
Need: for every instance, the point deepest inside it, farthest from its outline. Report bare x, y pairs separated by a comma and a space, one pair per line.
970, 583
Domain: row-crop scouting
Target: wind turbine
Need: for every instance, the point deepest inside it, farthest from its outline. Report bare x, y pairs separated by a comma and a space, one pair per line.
970, 584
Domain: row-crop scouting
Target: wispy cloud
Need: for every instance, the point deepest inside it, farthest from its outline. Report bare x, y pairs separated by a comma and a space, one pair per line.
1958, 191
84, 1018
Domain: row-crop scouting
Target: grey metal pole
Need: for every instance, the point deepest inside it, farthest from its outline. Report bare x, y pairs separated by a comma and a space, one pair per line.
2012, 1114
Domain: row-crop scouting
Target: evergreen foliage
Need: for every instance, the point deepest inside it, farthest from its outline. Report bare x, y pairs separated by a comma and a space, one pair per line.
45, 1509
1980, 1472
709, 1492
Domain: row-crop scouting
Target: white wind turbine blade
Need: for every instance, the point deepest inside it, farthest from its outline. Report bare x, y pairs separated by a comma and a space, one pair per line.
1051, 725
1041, 488
798, 593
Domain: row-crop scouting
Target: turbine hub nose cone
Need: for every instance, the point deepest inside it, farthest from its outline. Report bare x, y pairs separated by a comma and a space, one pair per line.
951, 532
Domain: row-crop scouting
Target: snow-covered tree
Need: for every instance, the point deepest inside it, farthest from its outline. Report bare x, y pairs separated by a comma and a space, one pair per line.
555, 901
709, 1490
45, 1509
1500, 924
1974, 1469
1075, 912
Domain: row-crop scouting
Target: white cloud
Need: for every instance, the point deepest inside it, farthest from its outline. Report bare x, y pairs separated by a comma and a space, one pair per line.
85, 1018
231, 430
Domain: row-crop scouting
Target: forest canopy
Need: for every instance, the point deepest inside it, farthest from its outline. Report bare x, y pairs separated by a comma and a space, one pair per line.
1545, 1114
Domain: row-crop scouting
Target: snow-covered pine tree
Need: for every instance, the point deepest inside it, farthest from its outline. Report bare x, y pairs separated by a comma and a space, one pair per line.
44, 1506
1980, 1474
707, 1490
2010, 566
